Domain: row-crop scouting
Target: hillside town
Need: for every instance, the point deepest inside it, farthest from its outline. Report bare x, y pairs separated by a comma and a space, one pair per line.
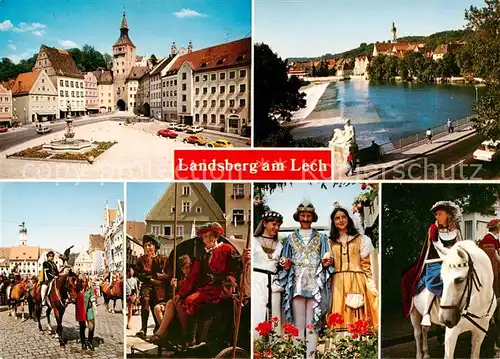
207, 87
358, 66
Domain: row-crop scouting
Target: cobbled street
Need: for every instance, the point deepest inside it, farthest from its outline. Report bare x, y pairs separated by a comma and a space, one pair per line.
22, 339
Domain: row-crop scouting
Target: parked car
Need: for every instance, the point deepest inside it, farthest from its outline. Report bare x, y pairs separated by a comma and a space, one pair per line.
167, 133
171, 126
488, 151
194, 129
42, 128
196, 140
180, 127
3, 129
220, 143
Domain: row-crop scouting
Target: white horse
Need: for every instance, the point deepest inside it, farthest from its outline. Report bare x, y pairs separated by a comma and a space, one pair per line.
467, 304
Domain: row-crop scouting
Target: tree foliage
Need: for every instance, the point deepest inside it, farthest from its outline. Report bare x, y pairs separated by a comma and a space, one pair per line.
153, 60
405, 222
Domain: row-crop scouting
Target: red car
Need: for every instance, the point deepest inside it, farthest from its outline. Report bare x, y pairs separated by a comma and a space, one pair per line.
3, 129
167, 133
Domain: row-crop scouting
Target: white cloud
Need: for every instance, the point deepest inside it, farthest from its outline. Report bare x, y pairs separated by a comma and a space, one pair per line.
39, 33
15, 58
12, 47
67, 43
188, 13
6, 25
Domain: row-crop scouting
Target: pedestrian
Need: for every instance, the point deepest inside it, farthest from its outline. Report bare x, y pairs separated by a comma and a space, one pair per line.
450, 126
131, 290
85, 311
350, 164
428, 133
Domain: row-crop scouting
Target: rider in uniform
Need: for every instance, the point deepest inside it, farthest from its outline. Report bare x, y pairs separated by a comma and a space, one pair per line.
50, 272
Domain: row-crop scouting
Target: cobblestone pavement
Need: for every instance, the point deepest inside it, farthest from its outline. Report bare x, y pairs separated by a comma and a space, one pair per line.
21, 339
138, 343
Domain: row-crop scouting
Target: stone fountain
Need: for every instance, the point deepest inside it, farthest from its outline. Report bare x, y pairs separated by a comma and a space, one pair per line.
68, 143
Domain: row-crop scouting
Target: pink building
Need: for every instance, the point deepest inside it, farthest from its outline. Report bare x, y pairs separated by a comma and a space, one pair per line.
91, 93
5, 105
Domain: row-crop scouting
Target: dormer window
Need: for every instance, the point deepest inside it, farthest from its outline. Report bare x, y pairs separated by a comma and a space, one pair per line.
241, 57
221, 61
204, 64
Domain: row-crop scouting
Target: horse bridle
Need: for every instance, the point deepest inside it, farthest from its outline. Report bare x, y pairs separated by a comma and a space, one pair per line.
472, 281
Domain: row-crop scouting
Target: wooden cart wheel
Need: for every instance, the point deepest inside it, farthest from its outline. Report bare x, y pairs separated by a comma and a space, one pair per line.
228, 352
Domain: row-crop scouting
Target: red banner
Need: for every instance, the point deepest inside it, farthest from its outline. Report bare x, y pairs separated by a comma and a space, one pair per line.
253, 164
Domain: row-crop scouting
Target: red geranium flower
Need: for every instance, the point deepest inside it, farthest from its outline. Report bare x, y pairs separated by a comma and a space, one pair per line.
268, 354
274, 319
264, 328
257, 355
290, 329
363, 186
310, 326
334, 319
361, 327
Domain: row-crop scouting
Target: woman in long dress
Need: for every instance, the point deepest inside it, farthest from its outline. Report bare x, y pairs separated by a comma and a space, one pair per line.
354, 293
266, 254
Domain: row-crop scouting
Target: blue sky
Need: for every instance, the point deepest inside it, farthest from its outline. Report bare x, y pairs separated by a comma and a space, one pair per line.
286, 201
153, 24
57, 215
142, 196
316, 27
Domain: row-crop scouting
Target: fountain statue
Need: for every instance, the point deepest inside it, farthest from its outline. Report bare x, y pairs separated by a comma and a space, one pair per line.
68, 143
343, 142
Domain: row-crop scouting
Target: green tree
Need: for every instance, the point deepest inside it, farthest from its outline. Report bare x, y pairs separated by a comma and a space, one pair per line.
276, 98
108, 60
153, 60
8, 70
483, 48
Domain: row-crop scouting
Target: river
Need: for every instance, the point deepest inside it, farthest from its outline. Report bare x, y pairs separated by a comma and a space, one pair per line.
384, 112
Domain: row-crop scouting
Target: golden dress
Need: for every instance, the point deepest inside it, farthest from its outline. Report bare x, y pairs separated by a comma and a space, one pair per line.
353, 275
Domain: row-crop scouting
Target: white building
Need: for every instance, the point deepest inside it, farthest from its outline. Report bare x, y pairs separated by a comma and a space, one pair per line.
211, 87
66, 77
132, 84
83, 263
114, 238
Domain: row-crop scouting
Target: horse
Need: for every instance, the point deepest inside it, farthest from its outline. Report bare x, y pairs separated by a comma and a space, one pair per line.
63, 290
467, 304
113, 291
18, 295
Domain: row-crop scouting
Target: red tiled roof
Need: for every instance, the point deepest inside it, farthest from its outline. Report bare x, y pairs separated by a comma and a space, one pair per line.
4, 252
136, 229
62, 62
236, 53
96, 242
24, 253
24, 82
383, 47
104, 77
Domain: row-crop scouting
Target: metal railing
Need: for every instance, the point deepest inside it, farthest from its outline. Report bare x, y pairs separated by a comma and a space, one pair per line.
421, 136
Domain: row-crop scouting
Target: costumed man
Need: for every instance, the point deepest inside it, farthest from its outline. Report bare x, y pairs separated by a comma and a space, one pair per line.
49, 273
441, 236
212, 276
150, 271
305, 276
266, 293
491, 245
14, 274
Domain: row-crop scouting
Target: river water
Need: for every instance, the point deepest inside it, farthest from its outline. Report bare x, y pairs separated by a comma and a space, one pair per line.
385, 112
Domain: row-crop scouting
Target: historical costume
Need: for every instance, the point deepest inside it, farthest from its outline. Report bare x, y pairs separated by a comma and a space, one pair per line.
210, 271
491, 245
49, 273
426, 273
354, 293
266, 255
148, 269
305, 277
84, 311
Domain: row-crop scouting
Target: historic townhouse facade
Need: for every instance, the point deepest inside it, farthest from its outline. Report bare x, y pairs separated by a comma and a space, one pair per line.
133, 86
211, 87
66, 77
91, 93
143, 94
5, 105
34, 97
105, 90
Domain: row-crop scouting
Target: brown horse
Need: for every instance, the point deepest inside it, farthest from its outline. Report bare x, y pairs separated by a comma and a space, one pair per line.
113, 291
18, 295
62, 292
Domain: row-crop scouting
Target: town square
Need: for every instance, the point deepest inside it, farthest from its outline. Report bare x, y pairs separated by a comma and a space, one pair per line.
70, 112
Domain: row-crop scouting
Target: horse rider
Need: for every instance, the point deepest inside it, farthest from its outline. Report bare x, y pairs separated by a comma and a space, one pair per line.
49, 273
14, 274
442, 235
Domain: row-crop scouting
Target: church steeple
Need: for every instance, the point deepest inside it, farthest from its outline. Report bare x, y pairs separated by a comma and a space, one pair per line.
124, 22
124, 39
393, 30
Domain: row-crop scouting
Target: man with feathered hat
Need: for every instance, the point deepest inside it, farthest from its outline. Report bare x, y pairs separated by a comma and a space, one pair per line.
151, 271
266, 255
214, 268
49, 273
426, 274
306, 269
491, 245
